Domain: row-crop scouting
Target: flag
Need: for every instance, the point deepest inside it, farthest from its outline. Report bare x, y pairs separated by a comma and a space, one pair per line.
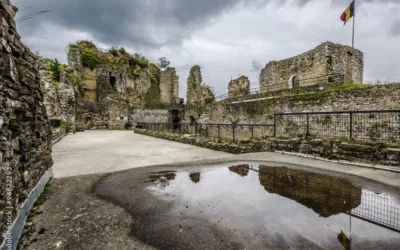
348, 13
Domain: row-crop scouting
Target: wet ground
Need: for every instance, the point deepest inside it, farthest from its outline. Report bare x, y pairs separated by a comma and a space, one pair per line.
223, 206
254, 206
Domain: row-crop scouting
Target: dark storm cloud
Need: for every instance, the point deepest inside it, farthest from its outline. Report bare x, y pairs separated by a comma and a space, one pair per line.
150, 23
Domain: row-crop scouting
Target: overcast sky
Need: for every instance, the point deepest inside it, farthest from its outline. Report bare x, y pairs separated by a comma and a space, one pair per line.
227, 38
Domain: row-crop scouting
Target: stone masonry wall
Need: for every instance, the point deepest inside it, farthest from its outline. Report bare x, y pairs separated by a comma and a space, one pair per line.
25, 132
370, 97
324, 60
333, 150
239, 87
169, 87
150, 116
197, 92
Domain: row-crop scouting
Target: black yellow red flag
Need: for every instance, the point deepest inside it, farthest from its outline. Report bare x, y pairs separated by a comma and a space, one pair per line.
348, 13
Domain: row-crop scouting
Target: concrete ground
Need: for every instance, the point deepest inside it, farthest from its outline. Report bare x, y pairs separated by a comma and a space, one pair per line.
81, 212
94, 152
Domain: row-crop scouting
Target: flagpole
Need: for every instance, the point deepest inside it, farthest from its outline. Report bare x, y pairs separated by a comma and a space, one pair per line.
354, 21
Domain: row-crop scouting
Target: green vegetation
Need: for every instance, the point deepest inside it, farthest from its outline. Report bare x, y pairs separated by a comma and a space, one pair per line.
163, 63
115, 57
348, 86
113, 51
90, 59
73, 47
55, 69
65, 125
74, 78
122, 51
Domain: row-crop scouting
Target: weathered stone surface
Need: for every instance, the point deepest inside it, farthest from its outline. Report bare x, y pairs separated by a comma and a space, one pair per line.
25, 133
325, 60
169, 87
197, 92
326, 149
239, 87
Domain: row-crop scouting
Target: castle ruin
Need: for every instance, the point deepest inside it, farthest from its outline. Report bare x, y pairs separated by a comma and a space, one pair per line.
323, 64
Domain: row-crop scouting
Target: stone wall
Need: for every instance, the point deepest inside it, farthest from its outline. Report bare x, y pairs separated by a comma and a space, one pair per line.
239, 87
109, 92
328, 149
169, 87
25, 132
317, 64
197, 92
151, 116
359, 97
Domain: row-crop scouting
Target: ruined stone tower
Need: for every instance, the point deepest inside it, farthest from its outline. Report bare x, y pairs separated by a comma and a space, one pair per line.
325, 63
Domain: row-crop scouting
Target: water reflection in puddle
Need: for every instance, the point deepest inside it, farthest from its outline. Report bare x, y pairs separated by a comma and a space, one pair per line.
281, 207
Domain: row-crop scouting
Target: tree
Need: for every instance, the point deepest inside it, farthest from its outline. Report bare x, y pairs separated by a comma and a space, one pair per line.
164, 63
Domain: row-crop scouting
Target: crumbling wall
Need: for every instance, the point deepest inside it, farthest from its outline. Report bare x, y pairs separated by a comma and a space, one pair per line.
317, 64
367, 97
25, 132
197, 92
150, 116
51, 101
169, 87
239, 87
117, 84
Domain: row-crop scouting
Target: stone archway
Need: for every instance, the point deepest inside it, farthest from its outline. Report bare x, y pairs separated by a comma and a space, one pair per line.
294, 82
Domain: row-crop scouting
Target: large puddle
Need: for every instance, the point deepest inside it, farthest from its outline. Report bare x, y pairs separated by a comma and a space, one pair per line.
282, 208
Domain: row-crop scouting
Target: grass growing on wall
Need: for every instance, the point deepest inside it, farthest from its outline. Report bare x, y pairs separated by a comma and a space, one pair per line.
92, 57
55, 69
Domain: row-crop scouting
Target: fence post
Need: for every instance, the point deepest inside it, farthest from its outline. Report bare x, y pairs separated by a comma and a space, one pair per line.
219, 137
206, 130
252, 131
195, 129
180, 128
275, 125
233, 132
308, 126
351, 127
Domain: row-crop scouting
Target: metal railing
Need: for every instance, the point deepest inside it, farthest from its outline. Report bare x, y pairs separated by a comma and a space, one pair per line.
379, 209
374, 126
276, 87
381, 126
213, 130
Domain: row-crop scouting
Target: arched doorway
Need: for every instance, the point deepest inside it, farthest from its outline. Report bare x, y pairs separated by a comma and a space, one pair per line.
296, 82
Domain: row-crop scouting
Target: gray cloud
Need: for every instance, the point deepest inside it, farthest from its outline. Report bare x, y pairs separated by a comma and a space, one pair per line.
395, 28
256, 66
221, 35
151, 23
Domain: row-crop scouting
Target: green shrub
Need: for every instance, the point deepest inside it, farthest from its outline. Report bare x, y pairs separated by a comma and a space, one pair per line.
65, 125
73, 47
122, 51
74, 78
113, 51
55, 69
90, 59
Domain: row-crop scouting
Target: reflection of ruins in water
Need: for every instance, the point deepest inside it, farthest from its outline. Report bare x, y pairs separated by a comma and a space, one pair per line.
242, 170
195, 177
324, 194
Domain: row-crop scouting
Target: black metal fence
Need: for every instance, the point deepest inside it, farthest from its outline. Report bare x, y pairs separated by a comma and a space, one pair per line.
367, 126
213, 130
379, 209
376, 126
